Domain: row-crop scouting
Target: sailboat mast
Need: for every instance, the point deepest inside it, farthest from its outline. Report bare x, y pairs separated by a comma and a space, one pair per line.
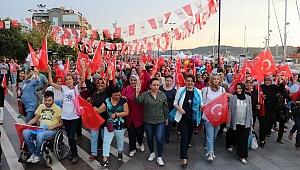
245, 41
214, 48
284, 41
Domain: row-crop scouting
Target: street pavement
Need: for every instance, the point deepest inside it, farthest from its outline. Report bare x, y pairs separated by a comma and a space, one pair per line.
274, 156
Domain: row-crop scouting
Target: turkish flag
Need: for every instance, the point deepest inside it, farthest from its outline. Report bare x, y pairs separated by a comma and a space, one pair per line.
43, 61
20, 128
236, 68
4, 82
59, 72
216, 110
152, 23
212, 7
167, 15
179, 79
97, 59
117, 33
131, 29
144, 58
241, 77
188, 10
285, 70
107, 34
67, 67
90, 118
208, 68
81, 58
261, 111
15, 23
34, 57
29, 20
264, 63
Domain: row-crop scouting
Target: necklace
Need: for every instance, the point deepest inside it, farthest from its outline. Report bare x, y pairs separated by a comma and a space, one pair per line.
189, 97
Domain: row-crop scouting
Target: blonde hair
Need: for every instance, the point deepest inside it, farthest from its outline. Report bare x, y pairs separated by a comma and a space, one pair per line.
211, 79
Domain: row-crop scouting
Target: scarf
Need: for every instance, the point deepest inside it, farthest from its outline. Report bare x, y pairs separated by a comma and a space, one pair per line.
241, 96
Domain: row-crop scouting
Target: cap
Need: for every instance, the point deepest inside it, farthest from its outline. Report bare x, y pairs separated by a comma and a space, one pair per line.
96, 76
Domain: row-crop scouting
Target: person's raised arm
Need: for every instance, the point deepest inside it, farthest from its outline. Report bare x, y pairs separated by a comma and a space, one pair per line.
81, 81
92, 88
51, 83
111, 83
146, 81
139, 99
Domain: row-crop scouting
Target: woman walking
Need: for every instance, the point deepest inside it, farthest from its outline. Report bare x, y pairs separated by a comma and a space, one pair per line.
134, 120
98, 95
69, 116
170, 93
155, 117
240, 119
187, 102
117, 108
208, 94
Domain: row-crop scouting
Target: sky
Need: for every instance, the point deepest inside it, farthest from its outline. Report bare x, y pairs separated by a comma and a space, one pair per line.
243, 22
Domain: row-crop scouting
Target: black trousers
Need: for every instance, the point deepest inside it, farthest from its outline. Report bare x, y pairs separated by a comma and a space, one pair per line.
230, 138
186, 129
79, 129
280, 117
71, 126
262, 128
242, 140
135, 133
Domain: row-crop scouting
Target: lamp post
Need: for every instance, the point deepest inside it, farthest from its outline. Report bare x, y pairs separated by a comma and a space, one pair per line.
172, 24
32, 11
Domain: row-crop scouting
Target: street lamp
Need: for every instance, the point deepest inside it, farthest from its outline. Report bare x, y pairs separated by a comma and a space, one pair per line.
172, 24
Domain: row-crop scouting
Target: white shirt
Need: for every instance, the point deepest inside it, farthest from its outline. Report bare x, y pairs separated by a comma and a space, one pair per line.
58, 94
4, 68
30, 60
241, 111
68, 110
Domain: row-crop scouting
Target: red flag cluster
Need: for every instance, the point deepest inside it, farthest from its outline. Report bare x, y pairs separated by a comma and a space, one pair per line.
40, 61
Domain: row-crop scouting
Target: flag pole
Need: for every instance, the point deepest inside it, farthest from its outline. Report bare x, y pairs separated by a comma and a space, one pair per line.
219, 36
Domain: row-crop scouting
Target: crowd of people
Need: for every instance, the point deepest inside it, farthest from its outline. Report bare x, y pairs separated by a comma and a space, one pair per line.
140, 103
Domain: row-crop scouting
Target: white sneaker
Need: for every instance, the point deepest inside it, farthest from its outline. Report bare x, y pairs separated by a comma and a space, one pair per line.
272, 130
160, 161
210, 159
36, 159
30, 158
230, 149
131, 153
142, 148
151, 157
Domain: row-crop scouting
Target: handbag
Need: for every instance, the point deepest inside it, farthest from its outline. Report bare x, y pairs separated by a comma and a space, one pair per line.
110, 126
21, 108
254, 144
76, 103
295, 109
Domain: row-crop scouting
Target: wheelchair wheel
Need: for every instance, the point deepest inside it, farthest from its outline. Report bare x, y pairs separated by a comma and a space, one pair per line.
23, 157
49, 161
61, 145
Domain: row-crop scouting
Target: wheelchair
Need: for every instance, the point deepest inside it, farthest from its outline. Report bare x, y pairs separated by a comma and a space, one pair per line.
58, 145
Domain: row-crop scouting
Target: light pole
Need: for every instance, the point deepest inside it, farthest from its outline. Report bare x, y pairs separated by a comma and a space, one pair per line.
172, 24
32, 11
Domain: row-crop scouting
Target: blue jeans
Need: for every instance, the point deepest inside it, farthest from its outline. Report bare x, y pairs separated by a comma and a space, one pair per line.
40, 138
211, 135
159, 130
108, 137
297, 122
94, 140
168, 131
29, 116
13, 78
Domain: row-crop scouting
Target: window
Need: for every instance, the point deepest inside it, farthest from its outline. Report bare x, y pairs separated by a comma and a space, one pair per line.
72, 18
55, 21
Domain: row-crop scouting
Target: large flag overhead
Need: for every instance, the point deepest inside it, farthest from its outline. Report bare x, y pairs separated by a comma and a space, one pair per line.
43, 61
34, 57
90, 118
97, 59
216, 111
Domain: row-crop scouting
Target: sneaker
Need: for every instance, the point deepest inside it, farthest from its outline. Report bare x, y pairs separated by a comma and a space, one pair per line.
36, 159
160, 161
142, 148
131, 153
272, 130
104, 164
151, 157
75, 159
30, 158
210, 158
19, 115
230, 149
243, 160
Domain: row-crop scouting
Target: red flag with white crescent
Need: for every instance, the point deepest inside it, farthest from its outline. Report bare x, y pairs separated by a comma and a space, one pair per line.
216, 111
285, 70
20, 128
43, 61
34, 57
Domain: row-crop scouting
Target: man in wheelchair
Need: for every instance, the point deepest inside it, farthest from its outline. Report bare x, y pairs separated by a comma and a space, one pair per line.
49, 114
